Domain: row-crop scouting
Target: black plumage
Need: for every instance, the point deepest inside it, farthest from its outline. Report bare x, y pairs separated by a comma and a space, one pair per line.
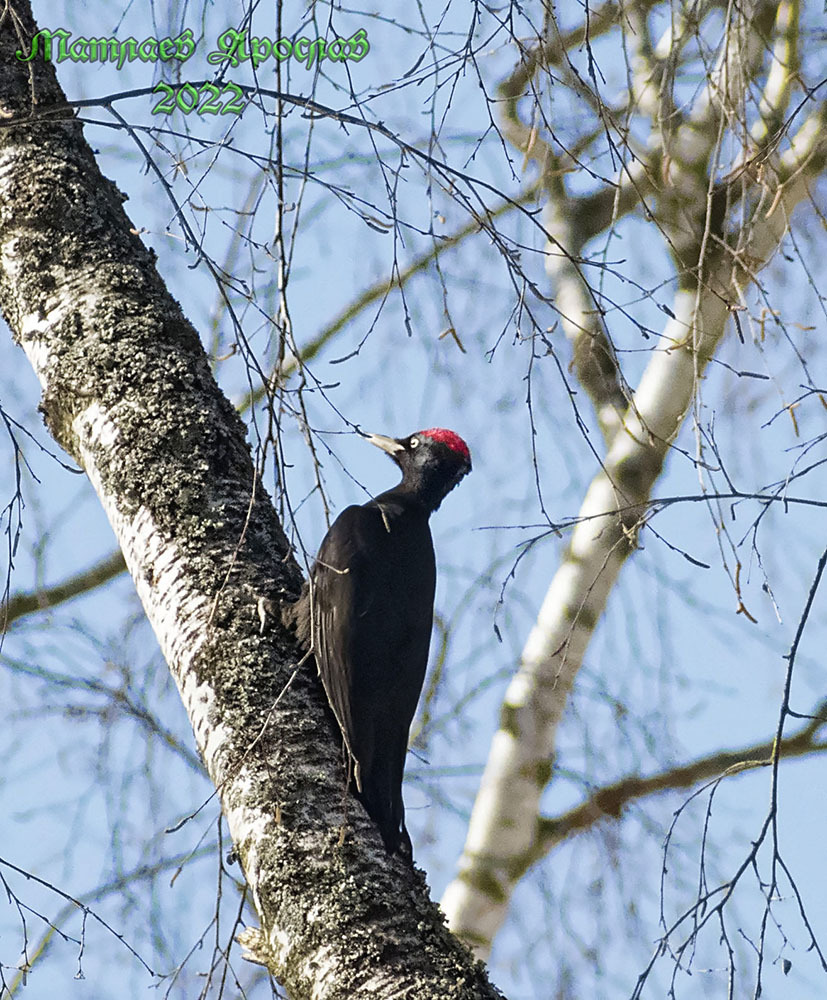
371, 604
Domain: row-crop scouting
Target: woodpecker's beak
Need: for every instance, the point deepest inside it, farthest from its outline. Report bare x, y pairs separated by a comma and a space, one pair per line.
389, 445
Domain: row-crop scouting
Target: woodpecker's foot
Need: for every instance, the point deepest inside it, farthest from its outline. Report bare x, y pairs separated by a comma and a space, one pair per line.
267, 609
255, 947
283, 608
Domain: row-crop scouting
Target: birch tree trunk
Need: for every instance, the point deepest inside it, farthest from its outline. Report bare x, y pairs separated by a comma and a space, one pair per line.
128, 393
716, 259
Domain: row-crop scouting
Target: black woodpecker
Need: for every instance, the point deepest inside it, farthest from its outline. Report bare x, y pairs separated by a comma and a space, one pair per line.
369, 612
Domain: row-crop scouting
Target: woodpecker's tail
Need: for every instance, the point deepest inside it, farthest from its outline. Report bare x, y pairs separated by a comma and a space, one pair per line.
381, 796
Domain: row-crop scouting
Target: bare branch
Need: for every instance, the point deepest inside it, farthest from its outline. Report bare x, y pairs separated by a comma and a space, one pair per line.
74, 586
504, 822
611, 801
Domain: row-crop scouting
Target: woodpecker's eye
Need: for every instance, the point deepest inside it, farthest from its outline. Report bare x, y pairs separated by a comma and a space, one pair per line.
414, 442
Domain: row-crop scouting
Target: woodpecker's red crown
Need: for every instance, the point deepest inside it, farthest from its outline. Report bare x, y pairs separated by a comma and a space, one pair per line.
449, 438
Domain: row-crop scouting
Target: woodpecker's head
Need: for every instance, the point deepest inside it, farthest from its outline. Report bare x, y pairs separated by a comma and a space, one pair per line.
432, 462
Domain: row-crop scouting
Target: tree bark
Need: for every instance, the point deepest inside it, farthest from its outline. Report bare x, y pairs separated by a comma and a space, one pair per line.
128, 393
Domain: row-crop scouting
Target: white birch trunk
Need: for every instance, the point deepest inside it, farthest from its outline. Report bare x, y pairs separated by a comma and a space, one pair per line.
128, 393
504, 833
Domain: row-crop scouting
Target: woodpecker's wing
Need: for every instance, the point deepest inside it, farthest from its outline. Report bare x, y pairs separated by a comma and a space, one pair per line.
332, 600
372, 610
